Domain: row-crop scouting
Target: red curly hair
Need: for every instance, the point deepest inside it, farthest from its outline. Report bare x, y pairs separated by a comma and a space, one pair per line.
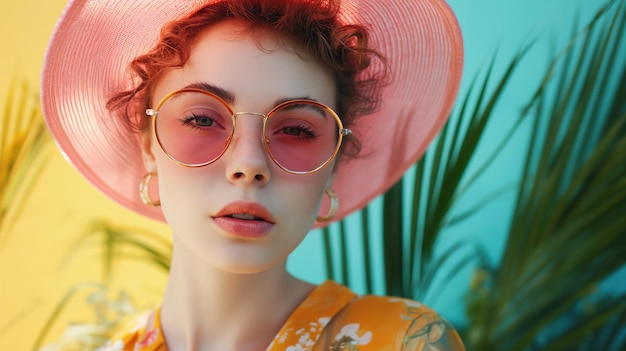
341, 48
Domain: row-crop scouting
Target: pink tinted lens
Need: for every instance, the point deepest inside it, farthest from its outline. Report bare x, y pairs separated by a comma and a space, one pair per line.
302, 136
193, 127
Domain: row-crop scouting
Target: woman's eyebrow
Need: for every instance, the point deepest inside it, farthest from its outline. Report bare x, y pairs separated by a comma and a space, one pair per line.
315, 108
227, 96
286, 99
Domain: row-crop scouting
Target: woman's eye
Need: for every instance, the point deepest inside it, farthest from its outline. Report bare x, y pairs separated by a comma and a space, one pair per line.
200, 121
203, 121
299, 131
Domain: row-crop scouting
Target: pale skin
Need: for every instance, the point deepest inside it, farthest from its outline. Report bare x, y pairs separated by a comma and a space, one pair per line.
226, 292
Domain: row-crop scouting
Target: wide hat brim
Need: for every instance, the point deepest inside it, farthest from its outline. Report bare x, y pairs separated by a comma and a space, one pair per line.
95, 40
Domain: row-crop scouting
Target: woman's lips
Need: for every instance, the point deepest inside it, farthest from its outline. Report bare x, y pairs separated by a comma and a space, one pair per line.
244, 219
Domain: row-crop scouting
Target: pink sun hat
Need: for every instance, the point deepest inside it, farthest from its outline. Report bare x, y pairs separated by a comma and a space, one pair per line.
95, 40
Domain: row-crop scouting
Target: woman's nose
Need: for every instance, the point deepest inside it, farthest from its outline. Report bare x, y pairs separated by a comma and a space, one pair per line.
248, 162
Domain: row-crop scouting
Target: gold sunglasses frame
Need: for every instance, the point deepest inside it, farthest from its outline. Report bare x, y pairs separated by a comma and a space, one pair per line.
341, 133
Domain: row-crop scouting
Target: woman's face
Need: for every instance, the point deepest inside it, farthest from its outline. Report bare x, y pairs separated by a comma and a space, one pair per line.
275, 209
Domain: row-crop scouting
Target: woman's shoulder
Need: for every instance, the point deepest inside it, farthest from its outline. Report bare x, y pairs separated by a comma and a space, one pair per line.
373, 322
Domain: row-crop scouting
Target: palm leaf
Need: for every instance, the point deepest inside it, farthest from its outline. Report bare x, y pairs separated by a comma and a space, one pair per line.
567, 229
117, 243
24, 152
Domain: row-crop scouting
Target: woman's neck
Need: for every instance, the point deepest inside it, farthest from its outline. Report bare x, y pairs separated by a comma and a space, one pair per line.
208, 309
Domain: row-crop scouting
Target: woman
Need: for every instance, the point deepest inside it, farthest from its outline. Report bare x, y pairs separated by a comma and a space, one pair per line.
236, 121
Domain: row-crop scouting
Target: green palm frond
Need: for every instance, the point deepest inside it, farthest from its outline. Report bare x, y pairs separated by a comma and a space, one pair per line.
24, 152
117, 243
567, 231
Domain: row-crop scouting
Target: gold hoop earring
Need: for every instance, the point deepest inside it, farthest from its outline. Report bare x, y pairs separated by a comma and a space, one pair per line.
143, 190
334, 205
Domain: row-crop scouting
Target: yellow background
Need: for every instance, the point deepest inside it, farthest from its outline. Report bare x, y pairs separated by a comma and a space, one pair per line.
33, 273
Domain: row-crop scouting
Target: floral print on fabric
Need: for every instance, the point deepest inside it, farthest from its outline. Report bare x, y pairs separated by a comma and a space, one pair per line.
350, 337
306, 336
331, 318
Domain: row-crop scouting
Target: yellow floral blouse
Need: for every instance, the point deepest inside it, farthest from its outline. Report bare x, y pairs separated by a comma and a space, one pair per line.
332, 317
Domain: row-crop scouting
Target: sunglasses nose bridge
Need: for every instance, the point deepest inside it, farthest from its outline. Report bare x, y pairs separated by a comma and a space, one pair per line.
257, 114
237, 114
